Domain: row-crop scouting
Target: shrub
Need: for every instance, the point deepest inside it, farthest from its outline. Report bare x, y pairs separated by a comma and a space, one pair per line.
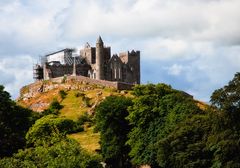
86, 101
63, 154
62, 94
64, 79
48, 130
53, 108
84, 118
79, 94
78, 126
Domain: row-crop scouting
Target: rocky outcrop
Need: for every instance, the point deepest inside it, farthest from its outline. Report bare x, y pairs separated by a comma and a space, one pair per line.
69, 83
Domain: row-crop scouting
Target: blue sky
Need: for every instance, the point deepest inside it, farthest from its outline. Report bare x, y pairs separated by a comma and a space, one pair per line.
193, 45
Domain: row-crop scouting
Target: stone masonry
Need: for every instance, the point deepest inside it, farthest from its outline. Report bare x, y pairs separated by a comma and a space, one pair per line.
92, 62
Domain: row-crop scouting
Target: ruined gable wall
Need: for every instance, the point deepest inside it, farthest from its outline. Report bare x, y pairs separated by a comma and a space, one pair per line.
61, 70
107, 54
89, 54
131, 70
134, 64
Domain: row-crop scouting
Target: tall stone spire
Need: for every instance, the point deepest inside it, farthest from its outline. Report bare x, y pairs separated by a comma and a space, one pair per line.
74, 67
99, 58
99, 40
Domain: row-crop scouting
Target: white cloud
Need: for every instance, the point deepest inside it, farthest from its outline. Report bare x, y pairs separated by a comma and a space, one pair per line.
200, 20
166, 49
28, 26
195, 40
16, 73
175, 69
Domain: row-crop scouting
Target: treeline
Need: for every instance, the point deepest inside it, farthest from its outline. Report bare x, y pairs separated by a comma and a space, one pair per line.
33, 140
165, 128
157, 126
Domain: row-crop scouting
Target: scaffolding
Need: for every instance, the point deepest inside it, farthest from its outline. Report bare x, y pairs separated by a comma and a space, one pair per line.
37, 72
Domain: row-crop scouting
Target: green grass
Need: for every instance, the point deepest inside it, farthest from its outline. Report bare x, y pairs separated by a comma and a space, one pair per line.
74, 107
87, 139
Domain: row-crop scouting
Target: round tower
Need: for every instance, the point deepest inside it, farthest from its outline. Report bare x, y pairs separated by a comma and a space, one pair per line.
99, 59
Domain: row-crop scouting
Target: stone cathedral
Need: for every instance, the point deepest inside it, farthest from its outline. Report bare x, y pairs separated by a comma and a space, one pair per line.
93, 62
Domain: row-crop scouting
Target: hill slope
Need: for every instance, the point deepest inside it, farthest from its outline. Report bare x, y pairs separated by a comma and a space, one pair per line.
80, 98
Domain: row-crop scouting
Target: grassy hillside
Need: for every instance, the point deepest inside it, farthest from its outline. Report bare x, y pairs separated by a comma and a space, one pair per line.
79, 100
88, 139
83, 99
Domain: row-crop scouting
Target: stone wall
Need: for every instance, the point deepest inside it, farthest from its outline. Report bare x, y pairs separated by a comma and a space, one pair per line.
33, 89
124, 86
116, 85
61, 70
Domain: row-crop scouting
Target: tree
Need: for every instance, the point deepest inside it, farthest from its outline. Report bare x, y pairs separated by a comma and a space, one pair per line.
48, 146
210, 139
53, 108
156, 111
224, 140
48, 130
186, 145
14, 123
227, 100
66, 153
110, 120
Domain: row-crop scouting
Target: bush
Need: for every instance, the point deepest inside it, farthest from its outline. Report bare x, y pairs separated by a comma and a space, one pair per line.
53, 108
62, 94
79, 94
84, 118
48, 130
86, 101
78, 126
63, 154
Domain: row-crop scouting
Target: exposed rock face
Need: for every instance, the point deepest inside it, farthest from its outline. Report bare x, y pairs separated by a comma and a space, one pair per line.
70, 83
37, 96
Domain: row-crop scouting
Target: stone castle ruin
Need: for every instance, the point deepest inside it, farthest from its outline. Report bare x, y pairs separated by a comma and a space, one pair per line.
92, 62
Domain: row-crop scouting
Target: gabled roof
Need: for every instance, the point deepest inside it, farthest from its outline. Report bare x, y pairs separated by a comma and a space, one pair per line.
78, 60
66, 49
115, 58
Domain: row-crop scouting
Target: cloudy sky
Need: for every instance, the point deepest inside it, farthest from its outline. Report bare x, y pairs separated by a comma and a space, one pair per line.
193, 45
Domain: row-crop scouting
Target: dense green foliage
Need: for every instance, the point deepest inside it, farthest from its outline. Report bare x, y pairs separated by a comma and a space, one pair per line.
49, 147
84, 118
158, 126
224, 141
64, 153
186, 145
227, 101
209, 139
62, 94
53, 108
47, 128
14, 123
156, 111
110, 120
47, 144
